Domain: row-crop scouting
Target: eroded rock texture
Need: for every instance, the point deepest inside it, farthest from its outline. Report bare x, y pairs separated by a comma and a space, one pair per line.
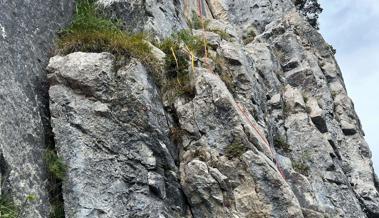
112, 131
268, 131
26, 32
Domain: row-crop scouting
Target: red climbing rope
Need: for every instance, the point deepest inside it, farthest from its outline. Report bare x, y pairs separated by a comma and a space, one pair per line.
243, 111
199, 6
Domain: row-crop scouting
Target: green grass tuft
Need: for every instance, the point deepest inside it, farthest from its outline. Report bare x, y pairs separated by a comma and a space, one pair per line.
181, 50
57, 210
90, 31
55, 165
8, 209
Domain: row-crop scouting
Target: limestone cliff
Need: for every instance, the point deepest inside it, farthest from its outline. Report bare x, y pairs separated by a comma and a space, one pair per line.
264, 127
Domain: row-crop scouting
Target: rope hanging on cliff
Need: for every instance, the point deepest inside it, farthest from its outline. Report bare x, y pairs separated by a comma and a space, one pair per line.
273, 154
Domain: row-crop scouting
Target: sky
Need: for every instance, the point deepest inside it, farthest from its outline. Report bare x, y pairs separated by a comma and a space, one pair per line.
352, 28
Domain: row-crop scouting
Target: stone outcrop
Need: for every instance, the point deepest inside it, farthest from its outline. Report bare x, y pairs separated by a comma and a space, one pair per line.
27, 29
113, 134
267, 130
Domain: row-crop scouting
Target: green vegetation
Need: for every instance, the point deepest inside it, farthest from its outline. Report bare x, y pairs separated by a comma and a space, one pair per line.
222, 33
286, 109
90, 31
8, 209
55, 165
31, 197
57, 170
197, 23
301, 167
334, 94
181, 49
222, 69
249, 37
57, 210
235, 150
281, 143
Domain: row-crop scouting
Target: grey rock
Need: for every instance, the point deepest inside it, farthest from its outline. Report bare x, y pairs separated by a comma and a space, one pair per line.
283, 84
317, 115
158, 17
112, 132
211, 38
272, 134
27, 29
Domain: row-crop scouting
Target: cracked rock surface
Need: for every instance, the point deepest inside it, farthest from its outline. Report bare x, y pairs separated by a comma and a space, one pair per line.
267, 131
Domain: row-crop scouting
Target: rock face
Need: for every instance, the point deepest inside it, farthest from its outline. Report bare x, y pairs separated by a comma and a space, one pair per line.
112, 132
267, 131
26, 32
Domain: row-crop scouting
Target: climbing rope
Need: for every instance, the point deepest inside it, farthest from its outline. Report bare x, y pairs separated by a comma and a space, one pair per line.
273, 153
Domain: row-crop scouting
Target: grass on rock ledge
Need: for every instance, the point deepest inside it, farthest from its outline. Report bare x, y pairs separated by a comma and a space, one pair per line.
90, 31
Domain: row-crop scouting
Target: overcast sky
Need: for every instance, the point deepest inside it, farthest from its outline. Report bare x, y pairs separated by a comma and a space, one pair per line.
352, 27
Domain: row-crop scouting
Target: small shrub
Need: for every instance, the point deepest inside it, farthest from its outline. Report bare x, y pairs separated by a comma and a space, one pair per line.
249, 37
235, 150
8, 209
176, 63
31, 197
55, 165
282, 144
181, 49
194, 43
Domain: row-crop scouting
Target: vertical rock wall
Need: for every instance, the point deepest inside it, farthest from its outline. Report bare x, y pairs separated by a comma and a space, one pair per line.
268, 132
27, 29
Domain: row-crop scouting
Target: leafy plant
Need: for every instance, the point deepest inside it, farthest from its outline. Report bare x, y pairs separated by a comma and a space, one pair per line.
176, 63
190, 43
